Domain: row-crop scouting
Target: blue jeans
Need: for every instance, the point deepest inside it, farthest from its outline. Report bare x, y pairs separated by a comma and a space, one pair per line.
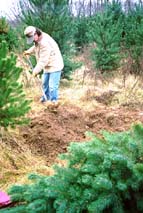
50, 85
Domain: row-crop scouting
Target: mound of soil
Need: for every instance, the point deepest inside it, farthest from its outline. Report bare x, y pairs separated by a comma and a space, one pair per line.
51, 132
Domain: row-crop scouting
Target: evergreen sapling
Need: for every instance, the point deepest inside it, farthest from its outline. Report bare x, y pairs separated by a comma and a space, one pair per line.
133, 39
106, 33
13, 105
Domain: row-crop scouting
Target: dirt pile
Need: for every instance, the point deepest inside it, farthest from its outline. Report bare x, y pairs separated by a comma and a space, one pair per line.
50, 132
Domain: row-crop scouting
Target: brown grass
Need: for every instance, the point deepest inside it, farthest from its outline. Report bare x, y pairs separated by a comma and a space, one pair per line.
17, 161
82, 91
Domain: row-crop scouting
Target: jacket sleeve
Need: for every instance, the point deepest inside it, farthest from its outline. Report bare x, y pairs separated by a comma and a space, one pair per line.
31, 50
43, 60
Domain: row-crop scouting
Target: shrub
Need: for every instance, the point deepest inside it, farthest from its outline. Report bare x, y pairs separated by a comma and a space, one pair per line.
8, 34
133, 39
13, 105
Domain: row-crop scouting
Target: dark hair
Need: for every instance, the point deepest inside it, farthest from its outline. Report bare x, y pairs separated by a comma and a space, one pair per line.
38, 31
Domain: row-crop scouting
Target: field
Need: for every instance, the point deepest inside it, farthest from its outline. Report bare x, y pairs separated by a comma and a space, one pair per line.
87, 103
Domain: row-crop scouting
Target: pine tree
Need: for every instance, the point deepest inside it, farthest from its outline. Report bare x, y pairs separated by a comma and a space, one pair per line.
106, 33
13, 105
133, 39
82, 30
7, 33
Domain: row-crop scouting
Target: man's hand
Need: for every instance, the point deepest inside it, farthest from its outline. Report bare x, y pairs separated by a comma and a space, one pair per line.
34, 74
25, 53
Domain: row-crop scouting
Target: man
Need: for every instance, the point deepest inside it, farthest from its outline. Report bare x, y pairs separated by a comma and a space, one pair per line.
49, 59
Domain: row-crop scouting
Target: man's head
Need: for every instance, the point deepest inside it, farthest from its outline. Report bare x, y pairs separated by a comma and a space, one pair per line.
32, 34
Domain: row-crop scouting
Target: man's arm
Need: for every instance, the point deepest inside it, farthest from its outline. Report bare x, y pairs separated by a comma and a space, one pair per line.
30, 51
43, 60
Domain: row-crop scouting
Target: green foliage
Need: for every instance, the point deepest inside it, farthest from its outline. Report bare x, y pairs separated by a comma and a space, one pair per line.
4, 27
81, 31
106, 33
115, 7
133, 39
104, 174
69, 67
8, 34
13, 105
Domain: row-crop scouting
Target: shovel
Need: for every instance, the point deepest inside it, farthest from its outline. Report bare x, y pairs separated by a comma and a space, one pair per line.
31, 66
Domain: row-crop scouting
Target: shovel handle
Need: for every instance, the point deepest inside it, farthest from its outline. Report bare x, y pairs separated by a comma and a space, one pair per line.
31, 65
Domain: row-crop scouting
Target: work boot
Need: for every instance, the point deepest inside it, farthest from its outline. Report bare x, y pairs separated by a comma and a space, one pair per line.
42, 99
52, 105
56, 104
48, 104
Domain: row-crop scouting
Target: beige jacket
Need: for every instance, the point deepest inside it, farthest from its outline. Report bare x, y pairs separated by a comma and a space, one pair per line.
47, 54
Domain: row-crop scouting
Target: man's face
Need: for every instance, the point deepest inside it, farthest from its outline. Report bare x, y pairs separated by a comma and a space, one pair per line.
36, 37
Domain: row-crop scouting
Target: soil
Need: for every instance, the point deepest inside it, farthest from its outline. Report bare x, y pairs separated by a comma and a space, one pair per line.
50, 132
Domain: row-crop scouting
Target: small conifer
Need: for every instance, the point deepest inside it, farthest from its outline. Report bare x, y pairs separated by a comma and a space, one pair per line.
133, 40
13, 105
107, 34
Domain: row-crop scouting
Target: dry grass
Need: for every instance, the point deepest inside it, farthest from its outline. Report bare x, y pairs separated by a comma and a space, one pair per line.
81, 91
17, 161
83, 94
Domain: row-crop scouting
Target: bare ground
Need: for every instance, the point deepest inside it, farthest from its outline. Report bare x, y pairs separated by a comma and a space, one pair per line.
50, 132
85, 106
